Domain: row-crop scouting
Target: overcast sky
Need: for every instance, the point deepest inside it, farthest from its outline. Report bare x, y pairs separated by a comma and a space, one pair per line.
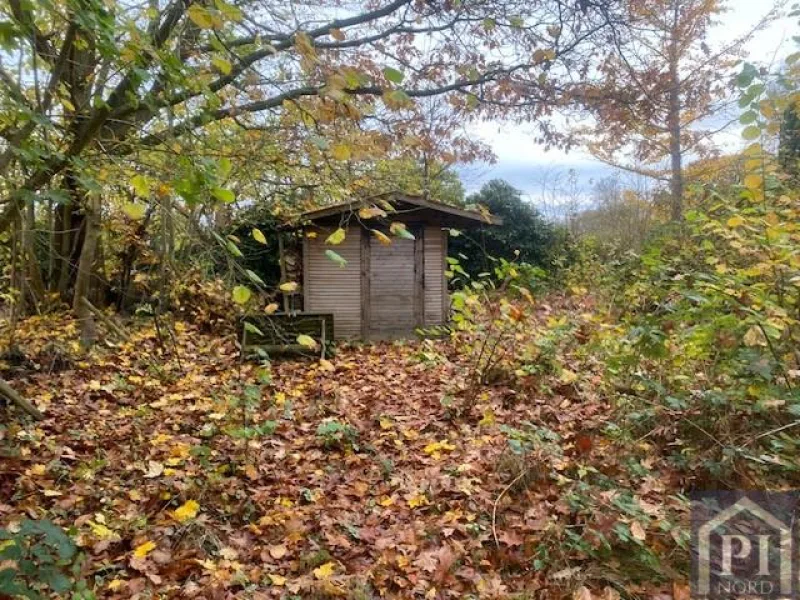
530, 168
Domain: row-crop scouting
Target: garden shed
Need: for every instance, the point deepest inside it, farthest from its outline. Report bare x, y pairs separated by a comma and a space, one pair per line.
378, 265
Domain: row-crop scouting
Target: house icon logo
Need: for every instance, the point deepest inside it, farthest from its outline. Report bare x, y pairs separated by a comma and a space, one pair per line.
743, 544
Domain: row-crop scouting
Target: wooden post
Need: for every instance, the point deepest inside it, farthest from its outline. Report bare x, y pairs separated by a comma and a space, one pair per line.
282, 262
419, 275
365, 283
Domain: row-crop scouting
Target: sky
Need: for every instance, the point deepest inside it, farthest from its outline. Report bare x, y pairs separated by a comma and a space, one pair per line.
536, 172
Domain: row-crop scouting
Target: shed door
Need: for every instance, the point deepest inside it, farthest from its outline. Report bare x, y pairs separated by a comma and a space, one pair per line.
395, 287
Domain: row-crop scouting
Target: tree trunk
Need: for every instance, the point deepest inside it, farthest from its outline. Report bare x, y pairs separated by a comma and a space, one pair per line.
32, 267
83, 282
674, 122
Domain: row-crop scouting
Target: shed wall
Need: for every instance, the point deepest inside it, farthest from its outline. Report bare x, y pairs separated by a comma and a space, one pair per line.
330, 288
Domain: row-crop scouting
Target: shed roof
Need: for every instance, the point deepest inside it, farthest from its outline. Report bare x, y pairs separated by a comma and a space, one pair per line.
447, 215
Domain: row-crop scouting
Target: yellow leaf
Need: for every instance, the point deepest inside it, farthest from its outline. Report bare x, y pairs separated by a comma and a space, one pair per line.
187, 511
278, 580
488, 418
115, 584
326, 365
38, 470
101, 531
340, 151
336, 238
134, 210
324, 571
370, 212
258, 236
289, 286
735, 221
753, 182
382, 237
143, 550
271, 308
306, 341
311, 235
568, 376
386, 501
418, 500
141, 185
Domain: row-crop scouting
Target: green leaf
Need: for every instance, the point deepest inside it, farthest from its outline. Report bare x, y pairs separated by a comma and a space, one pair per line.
751, 133
225, 166
250, 328
400, 230
258, 236
393, 75
748, 117
233, 249
222, 65
223, 195
141, 185
336, 258
336, 238
253, 276
745, 78
134, 210
200, 16
241, 294
396, 99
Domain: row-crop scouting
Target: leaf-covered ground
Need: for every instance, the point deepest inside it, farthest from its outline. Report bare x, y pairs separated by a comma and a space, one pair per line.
348, 478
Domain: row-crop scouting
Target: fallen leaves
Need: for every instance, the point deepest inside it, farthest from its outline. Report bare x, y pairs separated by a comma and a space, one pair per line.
324, 571
186, 511
154, 469
144, 549
407, 508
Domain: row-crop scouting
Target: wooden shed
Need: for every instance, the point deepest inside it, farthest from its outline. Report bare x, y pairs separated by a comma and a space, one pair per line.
392, 283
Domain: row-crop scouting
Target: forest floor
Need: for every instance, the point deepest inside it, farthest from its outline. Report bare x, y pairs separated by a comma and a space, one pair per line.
180, 475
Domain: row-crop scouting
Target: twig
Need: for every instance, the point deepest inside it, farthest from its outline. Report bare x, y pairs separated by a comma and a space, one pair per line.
774, 431
497, 501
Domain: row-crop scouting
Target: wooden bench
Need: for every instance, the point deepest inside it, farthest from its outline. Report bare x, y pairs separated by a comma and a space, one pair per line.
279, 331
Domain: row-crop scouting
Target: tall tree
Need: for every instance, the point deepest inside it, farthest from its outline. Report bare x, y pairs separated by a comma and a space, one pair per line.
662, 95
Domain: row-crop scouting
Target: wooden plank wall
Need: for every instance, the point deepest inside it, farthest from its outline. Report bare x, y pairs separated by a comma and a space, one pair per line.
435, 288
391, 285
333, 289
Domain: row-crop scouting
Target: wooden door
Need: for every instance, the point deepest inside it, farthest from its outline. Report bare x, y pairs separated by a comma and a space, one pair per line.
394, 306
